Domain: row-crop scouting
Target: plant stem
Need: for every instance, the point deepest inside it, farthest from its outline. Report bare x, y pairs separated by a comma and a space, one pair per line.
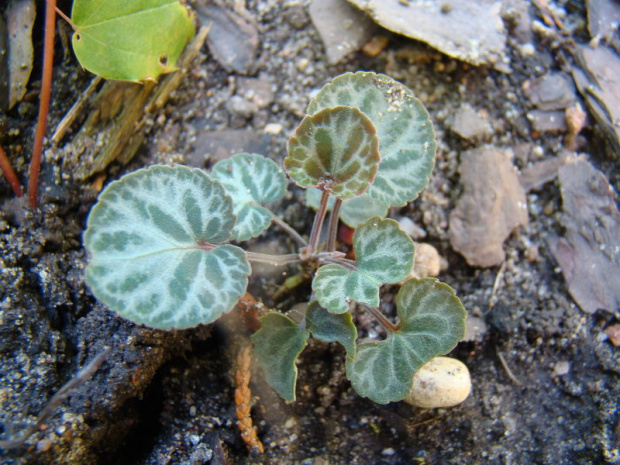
275, 260
332, 228
288, 229
44, 100
10, 175
383, 321
318, 224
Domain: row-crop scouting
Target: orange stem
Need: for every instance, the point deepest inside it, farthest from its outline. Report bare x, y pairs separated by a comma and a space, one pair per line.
44, 101
9, 174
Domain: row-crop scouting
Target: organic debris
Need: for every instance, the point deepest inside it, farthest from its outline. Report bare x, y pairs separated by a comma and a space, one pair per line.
588, 253
20, 20
598, 80
470, 31
492, 205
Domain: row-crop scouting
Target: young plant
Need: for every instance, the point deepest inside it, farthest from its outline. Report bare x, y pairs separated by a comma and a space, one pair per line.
160, 252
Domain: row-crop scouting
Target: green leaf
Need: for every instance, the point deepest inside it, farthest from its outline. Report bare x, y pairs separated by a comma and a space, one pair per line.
276, 347
432, 321
329, 327
154, 255
406, 138
352, 211
252, 181
130, 40
334, 149
384, 254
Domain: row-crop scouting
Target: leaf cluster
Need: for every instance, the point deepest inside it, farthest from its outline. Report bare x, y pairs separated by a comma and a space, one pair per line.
160, 239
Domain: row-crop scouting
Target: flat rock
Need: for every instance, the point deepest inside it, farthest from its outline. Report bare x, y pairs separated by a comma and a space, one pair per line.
20, 16
212, 146
470, 31
492, 205
470, 124
552, 91
589, 252
343, 29
603, 20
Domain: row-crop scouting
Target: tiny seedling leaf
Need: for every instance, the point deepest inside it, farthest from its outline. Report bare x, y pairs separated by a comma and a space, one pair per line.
276, 347
329, 327
153, 239
432, 321
352, 211
130, 40
334, 149
384, 254
406, 138
252, 181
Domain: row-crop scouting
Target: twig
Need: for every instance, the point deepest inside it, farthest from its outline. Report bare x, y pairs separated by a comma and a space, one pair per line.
68, 119
243, 400
78, 379
502, 360
44, 101
498, 278
9, 174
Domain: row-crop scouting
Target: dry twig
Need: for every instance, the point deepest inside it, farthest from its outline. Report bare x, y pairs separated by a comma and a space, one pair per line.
243, 400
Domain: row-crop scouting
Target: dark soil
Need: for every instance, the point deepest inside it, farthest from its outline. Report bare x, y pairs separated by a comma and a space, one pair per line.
168, 397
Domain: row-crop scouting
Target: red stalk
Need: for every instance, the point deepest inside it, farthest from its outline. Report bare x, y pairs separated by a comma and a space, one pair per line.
10, 175
44, 100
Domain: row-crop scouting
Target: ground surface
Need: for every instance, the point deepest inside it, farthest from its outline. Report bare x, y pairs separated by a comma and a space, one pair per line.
167, 398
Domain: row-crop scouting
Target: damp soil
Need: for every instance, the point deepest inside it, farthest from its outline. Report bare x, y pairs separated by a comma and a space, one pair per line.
546, 382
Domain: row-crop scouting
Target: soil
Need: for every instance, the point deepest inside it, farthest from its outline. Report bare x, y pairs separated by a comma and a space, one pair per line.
546, 381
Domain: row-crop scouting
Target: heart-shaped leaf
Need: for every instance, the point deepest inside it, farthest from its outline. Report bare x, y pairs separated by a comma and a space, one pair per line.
252, 181
406, 138
276, 347
352, 211
432, 321
384, 254
334, 149
329, 327
153, 239
130, 40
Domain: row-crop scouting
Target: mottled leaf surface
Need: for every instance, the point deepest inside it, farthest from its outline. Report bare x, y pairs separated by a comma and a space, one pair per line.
130, 40
336, 149
153, 238
332, 328
384, 254
276, 347
252, 181
352, 211
432, 321
406, 137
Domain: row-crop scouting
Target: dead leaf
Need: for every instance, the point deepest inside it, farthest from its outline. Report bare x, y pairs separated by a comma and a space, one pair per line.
492, 205
589, 252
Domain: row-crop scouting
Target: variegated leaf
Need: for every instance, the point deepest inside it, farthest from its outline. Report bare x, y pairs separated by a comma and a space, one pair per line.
252, 181
384, 254
155, 256
334, 149
432, 321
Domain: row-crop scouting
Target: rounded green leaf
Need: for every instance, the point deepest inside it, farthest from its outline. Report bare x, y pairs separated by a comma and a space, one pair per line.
276, 347
432, 321
352, 211
332, 328
334, 149
152, 238
251, 180
384, 254
406, 138
130, 40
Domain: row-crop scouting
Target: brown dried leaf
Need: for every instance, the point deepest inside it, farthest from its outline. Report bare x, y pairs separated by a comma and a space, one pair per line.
589, 252
492, 205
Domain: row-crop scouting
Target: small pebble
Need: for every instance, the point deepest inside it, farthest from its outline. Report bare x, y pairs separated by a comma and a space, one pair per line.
442, 382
